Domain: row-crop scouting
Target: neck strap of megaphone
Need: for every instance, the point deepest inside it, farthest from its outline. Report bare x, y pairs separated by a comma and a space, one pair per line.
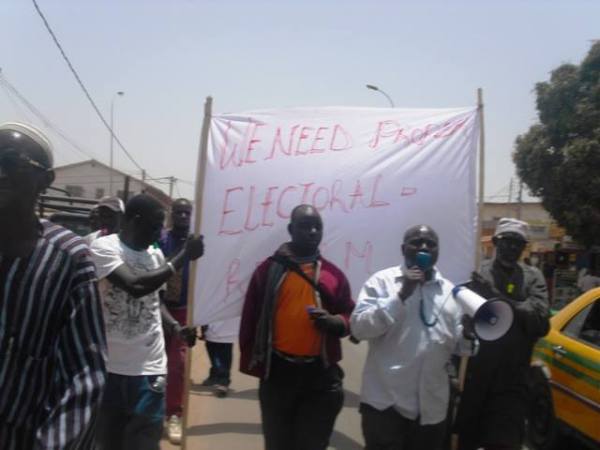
422, 315
422, 311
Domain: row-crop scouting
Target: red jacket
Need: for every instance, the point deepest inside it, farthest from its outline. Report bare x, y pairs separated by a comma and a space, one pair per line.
338, 301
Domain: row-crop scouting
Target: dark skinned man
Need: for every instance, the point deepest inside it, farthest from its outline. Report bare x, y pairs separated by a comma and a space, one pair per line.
132, 271
171, 242
296, 310
52, 344
413, 326
106, 218
492, 408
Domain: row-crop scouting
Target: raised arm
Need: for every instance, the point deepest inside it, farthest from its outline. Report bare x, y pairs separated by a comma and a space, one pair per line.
139, 284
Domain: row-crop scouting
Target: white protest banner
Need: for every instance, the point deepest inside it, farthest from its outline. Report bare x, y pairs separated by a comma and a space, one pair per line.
371, 172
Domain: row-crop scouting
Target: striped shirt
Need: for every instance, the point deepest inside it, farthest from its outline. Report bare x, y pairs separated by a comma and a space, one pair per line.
52, 345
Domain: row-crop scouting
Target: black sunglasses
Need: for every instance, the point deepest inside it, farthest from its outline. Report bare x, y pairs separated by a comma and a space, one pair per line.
510, 242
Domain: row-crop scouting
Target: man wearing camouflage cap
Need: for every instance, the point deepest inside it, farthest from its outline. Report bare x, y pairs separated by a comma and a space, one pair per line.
109, 212
493, 404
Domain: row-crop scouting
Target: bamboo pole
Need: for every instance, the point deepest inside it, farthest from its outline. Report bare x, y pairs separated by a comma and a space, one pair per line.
199, 191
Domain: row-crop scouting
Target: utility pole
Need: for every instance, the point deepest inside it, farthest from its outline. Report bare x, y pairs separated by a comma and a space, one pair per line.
510, 188
112, 137
172, 181
126, 189
519, 199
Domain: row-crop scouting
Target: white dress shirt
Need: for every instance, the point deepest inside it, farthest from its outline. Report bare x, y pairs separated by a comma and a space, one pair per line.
410, 344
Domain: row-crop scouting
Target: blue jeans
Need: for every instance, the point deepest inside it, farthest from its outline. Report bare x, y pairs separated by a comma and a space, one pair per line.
220, 355
131, 414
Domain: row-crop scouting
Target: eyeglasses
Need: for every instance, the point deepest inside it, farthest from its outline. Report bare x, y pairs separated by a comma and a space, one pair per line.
11, 160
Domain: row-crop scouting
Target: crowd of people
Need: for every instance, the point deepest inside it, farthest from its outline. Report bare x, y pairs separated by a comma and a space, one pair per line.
93, 331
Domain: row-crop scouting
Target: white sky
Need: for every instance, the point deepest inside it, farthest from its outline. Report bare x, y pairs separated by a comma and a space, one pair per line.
169, 55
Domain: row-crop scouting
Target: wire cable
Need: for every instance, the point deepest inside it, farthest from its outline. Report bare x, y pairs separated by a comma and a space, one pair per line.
40, 116
18, 109
80, 82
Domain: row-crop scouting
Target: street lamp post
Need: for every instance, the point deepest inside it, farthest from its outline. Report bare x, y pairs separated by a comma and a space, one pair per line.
112, 137
375, 88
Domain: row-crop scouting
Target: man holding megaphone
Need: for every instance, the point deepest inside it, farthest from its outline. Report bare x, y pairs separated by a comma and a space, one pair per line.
413, 325
491, 413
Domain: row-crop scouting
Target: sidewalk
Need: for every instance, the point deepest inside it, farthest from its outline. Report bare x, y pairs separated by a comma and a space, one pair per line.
233, 423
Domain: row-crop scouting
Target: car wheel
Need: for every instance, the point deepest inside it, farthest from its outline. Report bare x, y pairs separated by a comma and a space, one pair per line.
542, 428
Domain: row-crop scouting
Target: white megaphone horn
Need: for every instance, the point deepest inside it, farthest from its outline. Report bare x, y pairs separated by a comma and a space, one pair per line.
491, 318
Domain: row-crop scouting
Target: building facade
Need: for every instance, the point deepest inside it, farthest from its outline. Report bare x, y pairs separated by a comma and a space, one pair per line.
92, 179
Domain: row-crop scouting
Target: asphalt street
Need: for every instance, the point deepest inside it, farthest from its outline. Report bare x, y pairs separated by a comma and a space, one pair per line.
233, 423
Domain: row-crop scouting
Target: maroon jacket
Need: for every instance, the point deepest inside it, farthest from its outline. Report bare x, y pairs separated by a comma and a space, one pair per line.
338, 301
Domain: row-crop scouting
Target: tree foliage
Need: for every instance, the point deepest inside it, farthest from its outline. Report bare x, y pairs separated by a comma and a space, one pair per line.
559, 158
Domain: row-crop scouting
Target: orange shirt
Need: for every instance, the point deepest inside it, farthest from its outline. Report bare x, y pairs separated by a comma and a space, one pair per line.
295, 333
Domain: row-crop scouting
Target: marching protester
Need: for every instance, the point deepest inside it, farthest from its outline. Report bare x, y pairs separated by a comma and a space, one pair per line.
52, 342
106, 218
175, 298
219, 338
493, 405
413, 326
93, 218
589, 277
131, 272
296, 309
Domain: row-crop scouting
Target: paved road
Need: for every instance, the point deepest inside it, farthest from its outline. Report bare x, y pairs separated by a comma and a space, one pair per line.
233, 423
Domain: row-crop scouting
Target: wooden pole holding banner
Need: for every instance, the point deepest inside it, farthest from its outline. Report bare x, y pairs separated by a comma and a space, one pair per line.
464, 361
199, 191
481, 178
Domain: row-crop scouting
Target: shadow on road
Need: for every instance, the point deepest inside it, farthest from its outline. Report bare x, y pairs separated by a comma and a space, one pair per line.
340, 441
220, 428
351, 399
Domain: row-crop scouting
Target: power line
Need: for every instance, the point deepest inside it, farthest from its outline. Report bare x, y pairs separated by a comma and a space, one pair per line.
85, 91
37, 113
19, 110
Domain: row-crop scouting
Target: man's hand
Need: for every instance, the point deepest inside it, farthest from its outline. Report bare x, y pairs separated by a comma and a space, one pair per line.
468, 327
194, 247
326, 322
188, 335
411, 278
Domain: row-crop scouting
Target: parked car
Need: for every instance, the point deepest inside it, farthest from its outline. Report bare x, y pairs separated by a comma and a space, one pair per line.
565, 389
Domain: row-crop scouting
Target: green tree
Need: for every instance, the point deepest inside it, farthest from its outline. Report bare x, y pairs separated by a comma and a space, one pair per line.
559, 158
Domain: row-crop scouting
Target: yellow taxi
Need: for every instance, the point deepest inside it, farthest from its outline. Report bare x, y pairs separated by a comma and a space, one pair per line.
565, 390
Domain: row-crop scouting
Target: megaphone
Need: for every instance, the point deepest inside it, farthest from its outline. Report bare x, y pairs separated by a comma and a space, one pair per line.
491, 318
424, 260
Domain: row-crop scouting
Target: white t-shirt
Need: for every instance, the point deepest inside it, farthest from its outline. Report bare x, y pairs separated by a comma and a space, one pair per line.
225, 331
89, 238
133, 325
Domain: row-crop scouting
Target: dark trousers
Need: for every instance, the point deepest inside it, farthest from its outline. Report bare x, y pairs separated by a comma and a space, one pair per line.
220, 355
299, 404
389, 430
176, 350
131, 414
